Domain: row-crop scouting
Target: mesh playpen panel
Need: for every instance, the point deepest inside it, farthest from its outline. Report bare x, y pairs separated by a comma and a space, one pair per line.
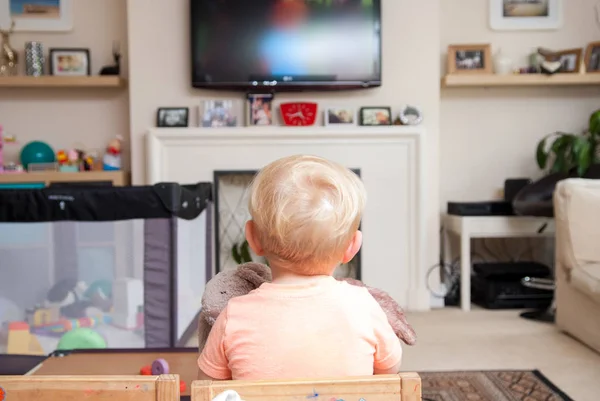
118, 267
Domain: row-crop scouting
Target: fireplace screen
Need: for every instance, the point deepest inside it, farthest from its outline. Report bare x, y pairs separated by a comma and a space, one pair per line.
231, 204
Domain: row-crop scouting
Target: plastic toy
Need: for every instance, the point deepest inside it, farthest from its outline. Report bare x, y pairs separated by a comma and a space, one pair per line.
146, 370
249, 276
112, 158
20, 340
81, 338
37, 152
160, 367
182, 386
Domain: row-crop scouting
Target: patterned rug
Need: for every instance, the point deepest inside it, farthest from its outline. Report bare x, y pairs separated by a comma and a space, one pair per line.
490, 386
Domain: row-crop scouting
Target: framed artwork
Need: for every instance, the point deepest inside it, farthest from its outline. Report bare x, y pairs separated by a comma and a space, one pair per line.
340, 116
70, 62
172, 117
370, 116
570, 60
526, 14
260, 109
470, 59
37, 15
592, 57
219, 113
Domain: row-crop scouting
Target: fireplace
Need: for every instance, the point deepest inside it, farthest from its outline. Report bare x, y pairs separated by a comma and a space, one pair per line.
391, 163
231, 214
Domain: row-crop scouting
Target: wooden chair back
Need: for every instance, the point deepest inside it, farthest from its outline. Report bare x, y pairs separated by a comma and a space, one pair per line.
400, 387
89, 388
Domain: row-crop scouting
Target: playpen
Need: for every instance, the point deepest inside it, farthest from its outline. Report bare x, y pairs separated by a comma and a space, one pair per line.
102, 267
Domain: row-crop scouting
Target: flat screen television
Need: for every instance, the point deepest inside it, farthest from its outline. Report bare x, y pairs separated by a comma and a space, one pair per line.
279, 45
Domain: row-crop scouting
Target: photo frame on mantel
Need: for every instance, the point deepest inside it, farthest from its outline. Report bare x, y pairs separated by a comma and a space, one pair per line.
37, 15
526, 14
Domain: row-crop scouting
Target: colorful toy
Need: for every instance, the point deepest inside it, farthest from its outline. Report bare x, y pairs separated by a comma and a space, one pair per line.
37, 152
112, 158
182, 386
20, 340
160, 367
249, 276
146, 370
81, 338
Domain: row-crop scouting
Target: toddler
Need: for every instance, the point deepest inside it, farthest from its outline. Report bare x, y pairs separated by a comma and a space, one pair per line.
304, 324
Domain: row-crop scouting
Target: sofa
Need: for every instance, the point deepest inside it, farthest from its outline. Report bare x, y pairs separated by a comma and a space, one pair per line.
577, 214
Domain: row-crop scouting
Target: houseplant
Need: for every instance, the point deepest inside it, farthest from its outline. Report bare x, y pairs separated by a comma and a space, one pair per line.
571, 153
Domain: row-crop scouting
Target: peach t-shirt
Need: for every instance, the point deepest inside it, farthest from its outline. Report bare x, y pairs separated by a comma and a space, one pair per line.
324, 328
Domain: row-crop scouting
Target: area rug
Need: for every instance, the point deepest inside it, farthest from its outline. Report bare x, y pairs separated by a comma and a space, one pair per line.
489, 386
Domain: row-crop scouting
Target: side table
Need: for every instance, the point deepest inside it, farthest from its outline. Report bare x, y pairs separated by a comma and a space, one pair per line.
469, 227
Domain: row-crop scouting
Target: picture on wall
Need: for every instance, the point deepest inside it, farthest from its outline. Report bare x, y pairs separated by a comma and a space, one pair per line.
470, 59
525, 14
37, 15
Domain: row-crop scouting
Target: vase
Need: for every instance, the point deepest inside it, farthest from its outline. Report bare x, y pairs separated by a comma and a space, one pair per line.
502, 64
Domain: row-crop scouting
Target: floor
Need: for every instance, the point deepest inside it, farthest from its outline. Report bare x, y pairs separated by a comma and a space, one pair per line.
449, 339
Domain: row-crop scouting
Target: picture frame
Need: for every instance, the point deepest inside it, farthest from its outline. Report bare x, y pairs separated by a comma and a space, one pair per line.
69, 62
592, 58
340, 117
217, 113
470, 59
375, 116
259, 109
570, 60
172, 117
525, 14
58, 15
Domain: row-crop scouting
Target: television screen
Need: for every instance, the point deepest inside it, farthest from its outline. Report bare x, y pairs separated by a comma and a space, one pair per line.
286, 44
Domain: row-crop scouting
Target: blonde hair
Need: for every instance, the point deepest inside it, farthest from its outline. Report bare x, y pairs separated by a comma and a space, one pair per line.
305, 211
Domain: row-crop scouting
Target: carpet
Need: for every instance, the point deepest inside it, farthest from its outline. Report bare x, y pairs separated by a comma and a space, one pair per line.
489, 386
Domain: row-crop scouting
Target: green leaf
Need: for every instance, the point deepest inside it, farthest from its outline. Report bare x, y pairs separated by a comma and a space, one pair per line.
584, 158
541, 156
235, 254
595, 122
245, 251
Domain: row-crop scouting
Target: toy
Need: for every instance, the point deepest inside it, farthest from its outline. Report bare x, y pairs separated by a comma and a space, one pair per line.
37, 152
224, 286
182, 386
160, 367
112, 158
20, 340
146, 370
81, 338
249, 276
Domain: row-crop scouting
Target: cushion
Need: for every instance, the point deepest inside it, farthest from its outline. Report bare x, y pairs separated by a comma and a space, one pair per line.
587, 280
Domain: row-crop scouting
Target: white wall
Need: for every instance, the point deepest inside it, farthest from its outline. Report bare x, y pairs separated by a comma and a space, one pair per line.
488, 135
160, 76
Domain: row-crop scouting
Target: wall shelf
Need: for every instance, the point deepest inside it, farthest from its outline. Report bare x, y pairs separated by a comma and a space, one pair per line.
118, 178
49, 81
518, 80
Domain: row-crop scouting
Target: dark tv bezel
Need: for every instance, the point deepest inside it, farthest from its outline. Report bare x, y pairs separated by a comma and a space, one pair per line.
298, 86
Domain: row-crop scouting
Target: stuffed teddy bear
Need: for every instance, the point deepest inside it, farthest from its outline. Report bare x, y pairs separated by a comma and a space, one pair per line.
249, 276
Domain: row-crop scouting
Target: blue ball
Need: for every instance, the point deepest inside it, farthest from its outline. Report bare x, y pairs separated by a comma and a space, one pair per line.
37, 152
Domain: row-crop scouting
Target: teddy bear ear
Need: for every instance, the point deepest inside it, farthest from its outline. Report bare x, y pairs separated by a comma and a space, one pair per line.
255, 273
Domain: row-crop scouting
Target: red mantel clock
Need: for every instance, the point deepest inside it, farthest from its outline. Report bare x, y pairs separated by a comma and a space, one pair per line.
299, 113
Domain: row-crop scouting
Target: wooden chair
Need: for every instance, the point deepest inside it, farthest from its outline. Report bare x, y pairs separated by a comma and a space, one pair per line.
401, 387
90, 388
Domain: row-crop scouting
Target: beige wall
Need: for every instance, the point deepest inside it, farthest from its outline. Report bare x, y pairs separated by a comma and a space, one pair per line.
488, 135
66, 118
160, 76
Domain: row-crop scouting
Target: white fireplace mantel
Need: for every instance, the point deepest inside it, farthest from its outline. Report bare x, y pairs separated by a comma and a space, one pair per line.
391, 160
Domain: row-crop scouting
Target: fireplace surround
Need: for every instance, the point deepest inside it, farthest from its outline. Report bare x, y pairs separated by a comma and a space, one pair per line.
390, 160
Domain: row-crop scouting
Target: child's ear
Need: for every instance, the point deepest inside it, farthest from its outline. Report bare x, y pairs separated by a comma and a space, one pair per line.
353, 248
253, 240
